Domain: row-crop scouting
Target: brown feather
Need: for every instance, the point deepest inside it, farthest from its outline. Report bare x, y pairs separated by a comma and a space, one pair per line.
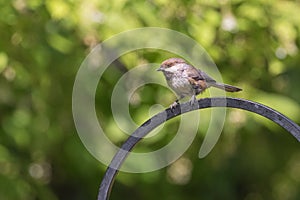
226, 87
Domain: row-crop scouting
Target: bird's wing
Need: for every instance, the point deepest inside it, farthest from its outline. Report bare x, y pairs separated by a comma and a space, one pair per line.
206, 77
192, 75
195, 77
198, 78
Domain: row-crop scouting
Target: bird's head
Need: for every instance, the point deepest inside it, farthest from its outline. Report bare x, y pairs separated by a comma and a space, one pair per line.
170, 65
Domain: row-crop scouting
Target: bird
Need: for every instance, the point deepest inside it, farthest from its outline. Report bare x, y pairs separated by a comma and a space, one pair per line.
187, 81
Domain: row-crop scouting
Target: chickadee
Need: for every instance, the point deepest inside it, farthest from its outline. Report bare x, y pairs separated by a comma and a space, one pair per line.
186, 80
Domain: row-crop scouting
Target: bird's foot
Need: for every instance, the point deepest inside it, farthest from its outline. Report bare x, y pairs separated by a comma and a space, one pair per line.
173, 105
193, 100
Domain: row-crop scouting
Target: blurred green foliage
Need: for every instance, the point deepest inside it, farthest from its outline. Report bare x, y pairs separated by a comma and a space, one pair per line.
255, 44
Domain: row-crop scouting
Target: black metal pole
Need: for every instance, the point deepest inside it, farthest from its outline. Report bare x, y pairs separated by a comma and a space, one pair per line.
161, 117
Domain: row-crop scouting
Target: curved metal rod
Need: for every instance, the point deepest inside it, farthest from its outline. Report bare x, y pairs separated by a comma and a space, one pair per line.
163, 116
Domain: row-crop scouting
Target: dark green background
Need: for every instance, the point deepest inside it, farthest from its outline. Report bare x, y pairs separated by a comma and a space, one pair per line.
42, 44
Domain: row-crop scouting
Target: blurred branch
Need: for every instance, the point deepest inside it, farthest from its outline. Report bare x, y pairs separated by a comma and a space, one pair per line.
161, 117
120, 66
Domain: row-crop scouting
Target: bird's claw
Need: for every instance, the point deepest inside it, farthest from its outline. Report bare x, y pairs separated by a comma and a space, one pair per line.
193, 100
173, 105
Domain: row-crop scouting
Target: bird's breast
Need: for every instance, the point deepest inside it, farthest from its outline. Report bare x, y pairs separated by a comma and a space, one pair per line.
181, 86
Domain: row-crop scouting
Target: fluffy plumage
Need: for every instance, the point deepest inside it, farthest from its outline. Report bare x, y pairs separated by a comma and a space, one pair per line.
186, 80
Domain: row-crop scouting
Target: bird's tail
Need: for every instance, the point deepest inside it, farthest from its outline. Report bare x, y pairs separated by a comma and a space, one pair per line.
227, 88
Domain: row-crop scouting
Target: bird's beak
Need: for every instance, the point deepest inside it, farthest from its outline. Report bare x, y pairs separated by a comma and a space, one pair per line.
160, 69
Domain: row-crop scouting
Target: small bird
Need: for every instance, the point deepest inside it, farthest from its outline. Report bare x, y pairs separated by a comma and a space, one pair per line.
186, 80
